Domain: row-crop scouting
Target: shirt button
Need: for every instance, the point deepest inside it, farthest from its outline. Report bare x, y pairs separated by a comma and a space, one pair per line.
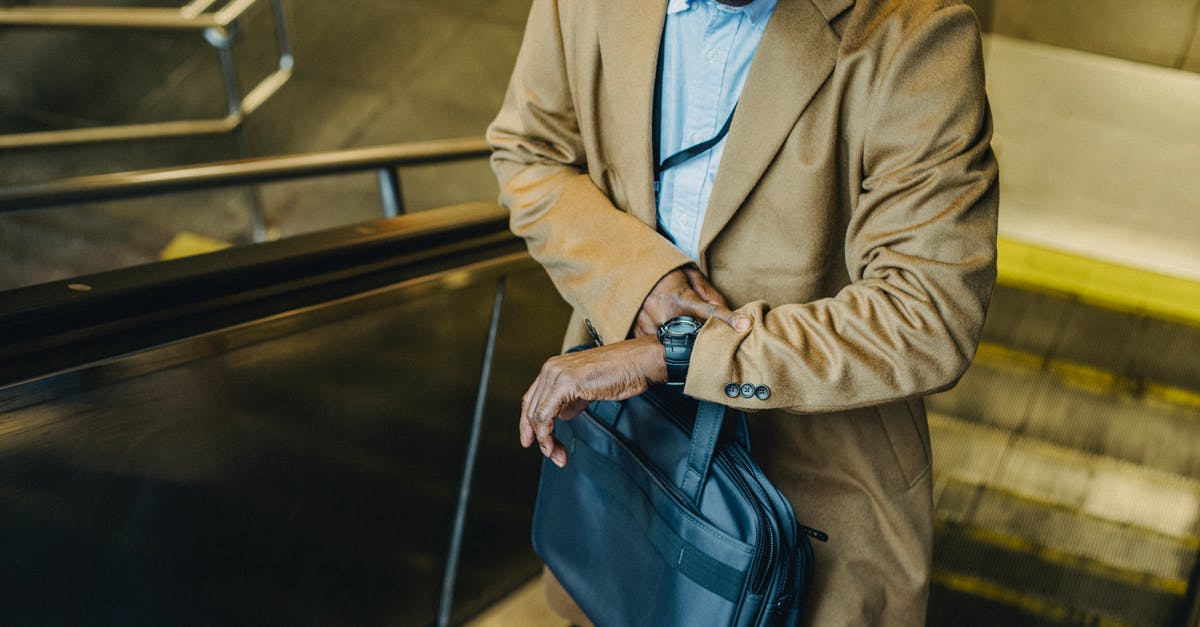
747, 390
697, 137
712, 55
732, 389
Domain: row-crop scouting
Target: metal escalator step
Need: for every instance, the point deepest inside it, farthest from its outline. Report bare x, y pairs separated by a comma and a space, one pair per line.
1151, 501
1134, 345
1079, 407
1044, 534
957, 599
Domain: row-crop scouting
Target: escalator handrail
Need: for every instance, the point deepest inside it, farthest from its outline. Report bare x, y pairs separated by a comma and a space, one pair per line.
60, 325
139, 183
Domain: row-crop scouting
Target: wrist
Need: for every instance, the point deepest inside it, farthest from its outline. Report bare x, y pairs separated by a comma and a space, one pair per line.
652, 359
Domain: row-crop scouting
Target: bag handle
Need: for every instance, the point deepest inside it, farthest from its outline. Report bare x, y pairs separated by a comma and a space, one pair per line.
705, 432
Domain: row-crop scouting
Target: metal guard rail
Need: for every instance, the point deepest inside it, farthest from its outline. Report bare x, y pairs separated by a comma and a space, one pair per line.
189, 16
220, 29
382, 159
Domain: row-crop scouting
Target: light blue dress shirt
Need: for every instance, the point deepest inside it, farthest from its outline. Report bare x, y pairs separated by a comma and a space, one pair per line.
707, 49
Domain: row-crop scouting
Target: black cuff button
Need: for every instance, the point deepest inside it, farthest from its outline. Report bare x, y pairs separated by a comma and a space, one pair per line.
747, 390
731, 390
762, 392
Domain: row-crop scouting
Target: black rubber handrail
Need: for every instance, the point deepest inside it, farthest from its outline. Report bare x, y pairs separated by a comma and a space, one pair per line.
63, 324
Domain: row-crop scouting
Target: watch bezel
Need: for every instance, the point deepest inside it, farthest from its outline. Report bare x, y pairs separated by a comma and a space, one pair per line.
678, 328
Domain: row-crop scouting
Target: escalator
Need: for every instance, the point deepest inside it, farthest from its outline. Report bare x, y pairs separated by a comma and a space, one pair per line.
271, 435
1067, 471
276, 435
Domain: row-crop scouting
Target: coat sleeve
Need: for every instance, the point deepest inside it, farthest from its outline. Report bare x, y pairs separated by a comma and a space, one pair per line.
920, 249
603, 260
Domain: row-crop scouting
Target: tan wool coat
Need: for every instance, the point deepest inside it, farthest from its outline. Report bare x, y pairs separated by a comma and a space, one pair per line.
853, 219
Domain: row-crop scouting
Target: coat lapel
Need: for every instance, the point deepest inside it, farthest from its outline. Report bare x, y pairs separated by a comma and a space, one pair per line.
629, 44
796, 55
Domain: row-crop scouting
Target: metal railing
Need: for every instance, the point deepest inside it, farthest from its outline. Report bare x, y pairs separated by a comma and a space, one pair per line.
383, 160
220, 29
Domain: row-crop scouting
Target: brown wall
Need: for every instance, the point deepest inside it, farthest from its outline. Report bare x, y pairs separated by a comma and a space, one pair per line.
1162, 32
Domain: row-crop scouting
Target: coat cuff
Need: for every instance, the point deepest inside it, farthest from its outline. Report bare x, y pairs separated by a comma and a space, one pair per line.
614, 314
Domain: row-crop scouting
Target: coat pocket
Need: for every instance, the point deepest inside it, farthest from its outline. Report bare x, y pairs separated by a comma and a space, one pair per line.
908, 434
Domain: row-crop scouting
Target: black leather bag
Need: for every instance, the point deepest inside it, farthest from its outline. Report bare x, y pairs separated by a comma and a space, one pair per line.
661, 517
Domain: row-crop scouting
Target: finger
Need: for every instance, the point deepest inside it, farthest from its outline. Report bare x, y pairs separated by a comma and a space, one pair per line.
558, 454
737, 321
544, 429
537, 394
645, 324
525, 424
690, 303
573, 409
526, 431
700, 284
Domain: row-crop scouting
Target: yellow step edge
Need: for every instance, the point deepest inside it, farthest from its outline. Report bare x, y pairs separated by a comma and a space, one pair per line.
1084, 377
1030, 603
1189, 543
1016, 544
1101, 283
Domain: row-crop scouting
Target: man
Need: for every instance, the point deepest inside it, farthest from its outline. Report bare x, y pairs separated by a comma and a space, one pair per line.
842, 256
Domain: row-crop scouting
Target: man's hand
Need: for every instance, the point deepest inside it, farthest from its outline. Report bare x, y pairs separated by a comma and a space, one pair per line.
567, 383
684, 292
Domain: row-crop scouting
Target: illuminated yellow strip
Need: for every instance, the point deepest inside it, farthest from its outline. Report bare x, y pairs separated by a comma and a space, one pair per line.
1084, 377
1190, 543
186, 244
1021, 546
1032, 604
1100, 283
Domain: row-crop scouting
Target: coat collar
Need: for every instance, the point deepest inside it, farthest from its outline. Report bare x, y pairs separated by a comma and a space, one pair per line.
795, 56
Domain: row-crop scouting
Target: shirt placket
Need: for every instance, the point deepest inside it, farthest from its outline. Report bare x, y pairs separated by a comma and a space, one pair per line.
704, 107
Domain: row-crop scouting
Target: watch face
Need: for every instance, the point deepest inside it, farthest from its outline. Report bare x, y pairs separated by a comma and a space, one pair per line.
680, 326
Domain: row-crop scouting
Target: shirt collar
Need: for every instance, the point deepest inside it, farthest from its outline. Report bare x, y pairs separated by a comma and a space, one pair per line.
756, 10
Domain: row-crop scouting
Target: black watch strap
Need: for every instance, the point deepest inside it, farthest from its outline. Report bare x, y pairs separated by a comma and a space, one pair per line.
677, 364
677, 336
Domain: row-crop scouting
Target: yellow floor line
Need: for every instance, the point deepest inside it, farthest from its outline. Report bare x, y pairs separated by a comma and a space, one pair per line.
1108, 285
1030, 603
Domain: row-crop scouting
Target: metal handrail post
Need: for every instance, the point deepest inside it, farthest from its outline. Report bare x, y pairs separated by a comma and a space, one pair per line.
286, 57
389, 191
223, 40
464, 488
261, 228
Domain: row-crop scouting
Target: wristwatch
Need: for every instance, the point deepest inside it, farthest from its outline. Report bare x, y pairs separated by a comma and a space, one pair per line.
677, 336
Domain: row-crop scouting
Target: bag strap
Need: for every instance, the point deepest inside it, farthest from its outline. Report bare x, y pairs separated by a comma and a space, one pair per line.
705, 432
